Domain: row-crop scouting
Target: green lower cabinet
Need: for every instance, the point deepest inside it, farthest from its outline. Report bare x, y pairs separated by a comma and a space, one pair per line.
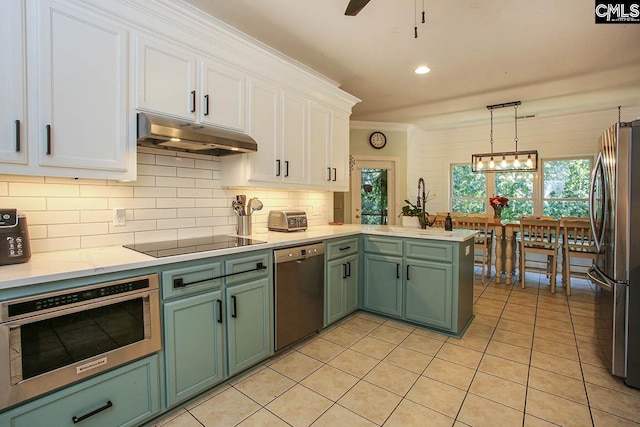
194, 345
126, 396
383, 284
342, 288
249, 324
428, 293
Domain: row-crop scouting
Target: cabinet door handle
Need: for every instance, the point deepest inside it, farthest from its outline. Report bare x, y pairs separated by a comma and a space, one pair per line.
408, 271
329, 173
286, 168
234, 313
49, 144
17, 136
206, 105
193, 101
344, 271
348, 269
278, 167
335, 174
397, 271
219, 310
76, 420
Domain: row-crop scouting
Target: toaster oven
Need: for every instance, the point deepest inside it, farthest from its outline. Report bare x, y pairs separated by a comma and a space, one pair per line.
287, 221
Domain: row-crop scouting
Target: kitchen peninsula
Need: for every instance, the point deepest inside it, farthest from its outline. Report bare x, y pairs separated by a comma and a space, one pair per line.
221, 302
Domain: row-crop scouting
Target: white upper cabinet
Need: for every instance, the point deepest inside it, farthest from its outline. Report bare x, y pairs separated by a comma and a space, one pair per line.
13, 130
166, 79
222, 96
174, 81
340, 151
82, 104
76, 123
264, 128
321, 171
294, 138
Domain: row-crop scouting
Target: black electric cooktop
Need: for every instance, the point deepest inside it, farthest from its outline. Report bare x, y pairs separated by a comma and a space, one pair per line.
189, 246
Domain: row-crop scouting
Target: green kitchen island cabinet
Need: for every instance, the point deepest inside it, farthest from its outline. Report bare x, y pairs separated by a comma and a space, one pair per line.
126, 396
423, 281
343, 274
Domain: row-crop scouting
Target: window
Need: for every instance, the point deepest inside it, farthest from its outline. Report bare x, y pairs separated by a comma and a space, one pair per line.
518, 187
566, 187
563, 189
469, 190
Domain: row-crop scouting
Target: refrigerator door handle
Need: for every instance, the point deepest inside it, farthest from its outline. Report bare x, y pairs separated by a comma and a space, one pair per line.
597, 278
598, 237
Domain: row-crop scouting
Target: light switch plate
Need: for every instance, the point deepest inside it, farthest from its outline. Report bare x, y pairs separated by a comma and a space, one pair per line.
119, 217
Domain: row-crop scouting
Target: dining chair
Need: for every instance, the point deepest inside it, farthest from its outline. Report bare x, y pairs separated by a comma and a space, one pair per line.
578, 242
483, 240
540, 236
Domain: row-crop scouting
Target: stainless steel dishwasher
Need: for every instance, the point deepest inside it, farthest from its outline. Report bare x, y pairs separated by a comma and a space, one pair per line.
299, 292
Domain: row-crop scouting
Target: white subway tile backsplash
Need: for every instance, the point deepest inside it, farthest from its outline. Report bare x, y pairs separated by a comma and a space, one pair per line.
21, 189
202, 193
174, 196
139, 214
179, 162
156, 170
80, 204
154, 192
162, 181
83, 229
175, 203
163, 224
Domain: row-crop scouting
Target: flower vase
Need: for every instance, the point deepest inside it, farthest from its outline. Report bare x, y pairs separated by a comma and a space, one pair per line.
497, 213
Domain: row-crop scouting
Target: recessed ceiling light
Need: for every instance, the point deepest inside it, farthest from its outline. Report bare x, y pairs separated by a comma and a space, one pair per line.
423, 69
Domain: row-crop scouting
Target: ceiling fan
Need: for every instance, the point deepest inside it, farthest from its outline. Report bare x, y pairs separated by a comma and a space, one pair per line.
355, 6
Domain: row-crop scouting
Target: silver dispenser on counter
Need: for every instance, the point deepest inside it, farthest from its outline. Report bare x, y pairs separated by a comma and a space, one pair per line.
243, 210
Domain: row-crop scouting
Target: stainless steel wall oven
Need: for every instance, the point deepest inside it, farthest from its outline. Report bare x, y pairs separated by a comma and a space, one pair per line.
50, 340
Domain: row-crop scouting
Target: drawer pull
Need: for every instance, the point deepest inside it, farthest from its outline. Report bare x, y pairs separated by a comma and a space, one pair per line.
180, 283
76, 420
235, 307
345, 248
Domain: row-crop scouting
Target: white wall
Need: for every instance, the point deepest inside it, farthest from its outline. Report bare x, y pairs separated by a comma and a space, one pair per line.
175, 196
430, 153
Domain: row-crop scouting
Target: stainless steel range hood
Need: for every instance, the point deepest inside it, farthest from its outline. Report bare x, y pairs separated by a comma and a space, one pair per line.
176, 135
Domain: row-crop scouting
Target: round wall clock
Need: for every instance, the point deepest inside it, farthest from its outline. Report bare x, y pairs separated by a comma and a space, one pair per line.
378, 140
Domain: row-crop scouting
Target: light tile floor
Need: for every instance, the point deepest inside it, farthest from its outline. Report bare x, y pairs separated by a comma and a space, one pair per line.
528, 359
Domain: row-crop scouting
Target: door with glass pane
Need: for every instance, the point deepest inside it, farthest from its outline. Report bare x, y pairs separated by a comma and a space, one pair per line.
372, 192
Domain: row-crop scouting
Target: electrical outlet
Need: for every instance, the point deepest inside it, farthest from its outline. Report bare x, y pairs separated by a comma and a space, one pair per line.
467, 250
119, 217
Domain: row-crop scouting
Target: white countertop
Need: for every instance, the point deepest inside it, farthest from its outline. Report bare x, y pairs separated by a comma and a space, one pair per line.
64, 265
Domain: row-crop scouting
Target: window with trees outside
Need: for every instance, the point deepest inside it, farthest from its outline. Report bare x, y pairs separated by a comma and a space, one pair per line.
562, 190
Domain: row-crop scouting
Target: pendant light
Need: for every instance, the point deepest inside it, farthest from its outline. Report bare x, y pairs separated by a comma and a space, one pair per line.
511, 161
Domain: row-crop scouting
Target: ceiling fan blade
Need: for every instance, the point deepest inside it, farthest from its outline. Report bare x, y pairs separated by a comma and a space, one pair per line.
355, 6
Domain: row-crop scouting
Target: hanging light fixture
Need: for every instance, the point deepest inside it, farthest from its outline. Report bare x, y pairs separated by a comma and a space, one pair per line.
510, 161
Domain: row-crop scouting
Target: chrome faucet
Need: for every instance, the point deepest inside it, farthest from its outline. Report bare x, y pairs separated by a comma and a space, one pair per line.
423, 205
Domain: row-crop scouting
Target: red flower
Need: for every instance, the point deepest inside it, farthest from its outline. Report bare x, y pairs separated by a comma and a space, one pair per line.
499, 201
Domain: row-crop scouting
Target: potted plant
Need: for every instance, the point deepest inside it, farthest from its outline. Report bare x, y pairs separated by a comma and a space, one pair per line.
498, 203
412, 211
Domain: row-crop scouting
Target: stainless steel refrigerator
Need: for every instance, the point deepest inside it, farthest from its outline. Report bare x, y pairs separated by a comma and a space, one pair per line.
615, 221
